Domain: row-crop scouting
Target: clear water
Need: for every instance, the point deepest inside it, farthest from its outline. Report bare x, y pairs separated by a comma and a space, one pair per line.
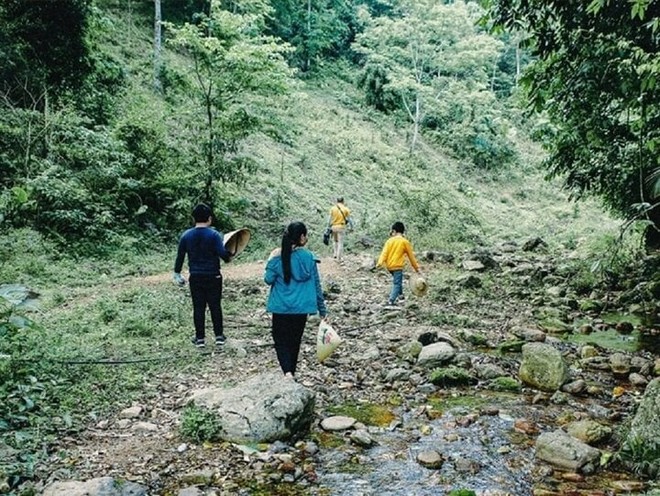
391, 468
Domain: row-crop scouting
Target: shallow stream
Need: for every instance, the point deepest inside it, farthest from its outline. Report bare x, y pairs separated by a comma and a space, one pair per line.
478, 456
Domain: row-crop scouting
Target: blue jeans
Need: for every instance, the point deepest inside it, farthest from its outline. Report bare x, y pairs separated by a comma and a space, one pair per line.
397, 284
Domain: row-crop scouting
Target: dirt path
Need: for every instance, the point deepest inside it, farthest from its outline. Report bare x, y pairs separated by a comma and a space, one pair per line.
251, 270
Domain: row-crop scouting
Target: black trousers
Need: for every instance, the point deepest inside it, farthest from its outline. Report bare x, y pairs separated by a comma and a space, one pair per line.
287, 334
206, 291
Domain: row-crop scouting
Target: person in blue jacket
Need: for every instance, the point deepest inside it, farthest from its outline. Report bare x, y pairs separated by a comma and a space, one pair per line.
295, 293
205, 247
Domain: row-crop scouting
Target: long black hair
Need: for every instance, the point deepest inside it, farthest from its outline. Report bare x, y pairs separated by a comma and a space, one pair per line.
289, 240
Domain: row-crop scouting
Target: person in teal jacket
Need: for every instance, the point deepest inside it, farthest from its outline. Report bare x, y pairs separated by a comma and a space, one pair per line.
295, 293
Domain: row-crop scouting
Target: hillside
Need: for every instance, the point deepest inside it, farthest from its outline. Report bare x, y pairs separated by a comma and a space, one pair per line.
104, 329
334, 148
330, 143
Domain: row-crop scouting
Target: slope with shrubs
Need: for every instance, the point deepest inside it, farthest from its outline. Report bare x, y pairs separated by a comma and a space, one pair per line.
328, 144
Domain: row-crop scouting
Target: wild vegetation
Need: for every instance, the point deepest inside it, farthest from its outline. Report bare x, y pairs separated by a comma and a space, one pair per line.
412, 110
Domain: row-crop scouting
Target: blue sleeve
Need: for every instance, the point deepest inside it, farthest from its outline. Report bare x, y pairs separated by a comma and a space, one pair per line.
271, 274
220, 247
180, 255
320, 301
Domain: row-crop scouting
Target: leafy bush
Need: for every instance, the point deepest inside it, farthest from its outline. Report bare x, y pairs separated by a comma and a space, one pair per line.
641, 457
450, 376
200, 424
505, 384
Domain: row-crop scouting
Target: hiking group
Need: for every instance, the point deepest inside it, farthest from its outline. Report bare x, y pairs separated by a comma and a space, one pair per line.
291, 272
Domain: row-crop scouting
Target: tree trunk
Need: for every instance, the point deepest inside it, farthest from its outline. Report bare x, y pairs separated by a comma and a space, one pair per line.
309, 31
517, 61
157, 45
416, 121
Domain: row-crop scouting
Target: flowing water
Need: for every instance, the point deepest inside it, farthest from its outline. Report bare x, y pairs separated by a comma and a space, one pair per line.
479, 457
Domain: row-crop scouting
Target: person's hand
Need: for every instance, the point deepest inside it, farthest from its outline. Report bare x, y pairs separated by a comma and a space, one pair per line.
275, 253
178, 279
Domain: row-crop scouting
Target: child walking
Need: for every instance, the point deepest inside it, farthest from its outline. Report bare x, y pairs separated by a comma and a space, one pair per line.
396, 248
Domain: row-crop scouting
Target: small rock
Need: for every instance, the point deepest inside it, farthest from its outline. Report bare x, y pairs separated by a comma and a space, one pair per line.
145, 427
430, 459
362, 438
637, 380
337, 423
624, 327
131, 413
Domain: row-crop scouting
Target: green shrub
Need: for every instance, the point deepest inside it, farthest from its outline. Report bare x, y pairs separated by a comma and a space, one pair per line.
461, 492
505, 384
199, 424
640, 457
450, 376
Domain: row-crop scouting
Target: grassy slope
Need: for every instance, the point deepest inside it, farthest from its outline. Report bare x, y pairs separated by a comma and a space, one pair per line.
332, 145
339, 148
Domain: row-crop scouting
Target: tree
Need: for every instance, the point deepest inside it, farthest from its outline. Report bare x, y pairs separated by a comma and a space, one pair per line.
158, 19
233, 65
43, 48
317, 29
596, 76
417, 60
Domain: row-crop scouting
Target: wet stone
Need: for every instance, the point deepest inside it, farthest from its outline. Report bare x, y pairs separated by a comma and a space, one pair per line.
430, 459
637, 380
337, 423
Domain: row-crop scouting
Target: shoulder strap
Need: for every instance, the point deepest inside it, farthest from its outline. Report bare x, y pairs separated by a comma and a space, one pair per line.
341, 212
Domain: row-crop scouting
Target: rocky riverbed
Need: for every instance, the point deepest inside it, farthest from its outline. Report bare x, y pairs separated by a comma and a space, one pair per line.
506, 378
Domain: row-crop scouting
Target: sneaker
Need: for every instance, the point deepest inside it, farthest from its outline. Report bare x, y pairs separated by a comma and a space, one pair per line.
198, 342
220, 340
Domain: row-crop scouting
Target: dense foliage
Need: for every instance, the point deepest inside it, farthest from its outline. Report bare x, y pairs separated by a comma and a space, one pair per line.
597, 78
431, 61
90, 152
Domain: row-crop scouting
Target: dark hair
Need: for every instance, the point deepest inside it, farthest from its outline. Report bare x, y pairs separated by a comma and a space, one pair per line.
399, 227
202, 213
340, 199
289, 239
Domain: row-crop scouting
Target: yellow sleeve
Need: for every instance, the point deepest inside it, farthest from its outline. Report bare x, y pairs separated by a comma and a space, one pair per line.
411, 256
383, 254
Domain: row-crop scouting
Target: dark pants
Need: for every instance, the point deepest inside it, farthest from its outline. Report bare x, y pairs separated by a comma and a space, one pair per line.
287, 334
206, 291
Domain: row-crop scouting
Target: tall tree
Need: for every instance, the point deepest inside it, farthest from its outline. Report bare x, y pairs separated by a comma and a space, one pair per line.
158, 19
233, 66
317, 29
43, 47
418, 59
596, 76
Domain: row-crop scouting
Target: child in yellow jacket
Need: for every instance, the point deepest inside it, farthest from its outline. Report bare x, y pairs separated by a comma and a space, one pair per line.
396, 248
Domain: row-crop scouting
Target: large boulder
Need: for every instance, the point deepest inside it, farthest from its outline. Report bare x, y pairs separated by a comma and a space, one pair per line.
265, 408
645, 426
436, 355
564, 451
543, 367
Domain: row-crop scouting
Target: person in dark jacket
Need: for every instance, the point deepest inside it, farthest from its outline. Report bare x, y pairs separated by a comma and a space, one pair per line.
295, 293
204, 247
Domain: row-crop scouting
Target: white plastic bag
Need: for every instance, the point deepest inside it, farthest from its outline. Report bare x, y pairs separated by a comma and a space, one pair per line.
327, 341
